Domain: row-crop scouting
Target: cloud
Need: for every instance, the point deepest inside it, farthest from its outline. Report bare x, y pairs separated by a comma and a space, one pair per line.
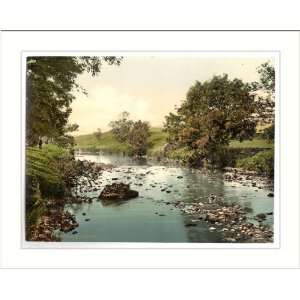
149, 87
104, 104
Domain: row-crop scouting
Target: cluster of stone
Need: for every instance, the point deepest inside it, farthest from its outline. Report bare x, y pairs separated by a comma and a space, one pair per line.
45, 229
229, 219
246, 178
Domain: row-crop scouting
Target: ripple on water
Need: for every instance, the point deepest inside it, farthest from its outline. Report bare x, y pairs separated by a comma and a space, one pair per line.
148, 218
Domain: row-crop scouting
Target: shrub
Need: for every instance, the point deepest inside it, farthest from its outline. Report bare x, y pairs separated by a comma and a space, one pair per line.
262, 163
269, 133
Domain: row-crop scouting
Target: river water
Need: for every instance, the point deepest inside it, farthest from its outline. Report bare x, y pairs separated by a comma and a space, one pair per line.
151, 217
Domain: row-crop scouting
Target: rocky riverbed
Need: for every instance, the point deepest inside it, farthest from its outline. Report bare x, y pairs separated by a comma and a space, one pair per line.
201, 197
229, 219
55, 217
247, 178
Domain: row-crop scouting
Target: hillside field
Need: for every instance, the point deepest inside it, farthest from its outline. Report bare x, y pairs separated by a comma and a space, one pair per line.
157, 140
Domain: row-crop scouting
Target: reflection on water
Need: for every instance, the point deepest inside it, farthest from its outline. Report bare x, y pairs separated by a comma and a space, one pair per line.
151, 217
116, 160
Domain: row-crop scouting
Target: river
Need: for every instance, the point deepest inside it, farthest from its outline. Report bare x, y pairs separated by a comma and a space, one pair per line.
151, 217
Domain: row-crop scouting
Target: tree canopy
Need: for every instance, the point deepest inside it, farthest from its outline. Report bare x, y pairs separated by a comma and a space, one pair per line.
264, 89
50, 83
138, 137
213, 113
121, 127
135, 134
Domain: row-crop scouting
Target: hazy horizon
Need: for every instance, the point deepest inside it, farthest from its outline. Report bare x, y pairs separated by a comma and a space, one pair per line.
149, 87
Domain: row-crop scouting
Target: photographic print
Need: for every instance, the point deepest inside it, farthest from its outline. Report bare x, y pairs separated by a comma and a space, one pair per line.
150, 148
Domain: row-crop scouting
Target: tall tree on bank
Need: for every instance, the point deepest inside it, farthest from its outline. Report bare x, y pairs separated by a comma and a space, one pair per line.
98, 134
264, 90
50, 82
213, 113
121, 127
138, 137
135, 134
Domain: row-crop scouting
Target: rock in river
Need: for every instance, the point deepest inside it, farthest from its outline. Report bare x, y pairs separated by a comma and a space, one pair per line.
118, 191
261, 217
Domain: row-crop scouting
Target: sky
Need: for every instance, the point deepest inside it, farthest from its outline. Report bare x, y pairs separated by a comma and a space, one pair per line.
149, 87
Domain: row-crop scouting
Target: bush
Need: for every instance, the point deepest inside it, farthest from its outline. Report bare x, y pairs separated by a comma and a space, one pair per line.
262, 163
183, 154
269, 133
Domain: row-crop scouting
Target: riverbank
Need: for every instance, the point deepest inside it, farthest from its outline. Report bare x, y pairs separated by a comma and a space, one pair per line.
164, 194
52, 176
253, 155
108, 143
166, 190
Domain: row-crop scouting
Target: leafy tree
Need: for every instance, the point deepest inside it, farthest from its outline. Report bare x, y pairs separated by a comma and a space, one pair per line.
121, 127
50, 82
269, 133
98, 134
267, 77
213, 113
264, 90
173, 125
138, 137
71, 127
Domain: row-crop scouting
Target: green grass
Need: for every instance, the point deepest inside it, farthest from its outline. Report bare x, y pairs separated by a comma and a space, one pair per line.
44, 179
42, 163
108, 143
157, 141
262, 162
255, 143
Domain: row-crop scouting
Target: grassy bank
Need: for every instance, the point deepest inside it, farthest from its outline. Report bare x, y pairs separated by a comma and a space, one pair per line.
256, 154
42, 164
44, 179
108, 143
255, 143
157, 140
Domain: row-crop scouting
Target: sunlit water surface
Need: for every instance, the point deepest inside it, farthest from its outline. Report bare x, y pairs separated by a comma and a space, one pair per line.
150, 218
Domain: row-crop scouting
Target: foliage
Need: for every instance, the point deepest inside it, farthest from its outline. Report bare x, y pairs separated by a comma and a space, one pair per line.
214, 112
134, 133
138, 137
50, 83
264, 90
109, 144
172, 126
269, 133
98, 134
266, 73
121, 127
182, 154
262, 163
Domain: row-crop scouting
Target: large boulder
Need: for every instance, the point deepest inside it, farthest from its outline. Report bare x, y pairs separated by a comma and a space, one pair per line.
118, 191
